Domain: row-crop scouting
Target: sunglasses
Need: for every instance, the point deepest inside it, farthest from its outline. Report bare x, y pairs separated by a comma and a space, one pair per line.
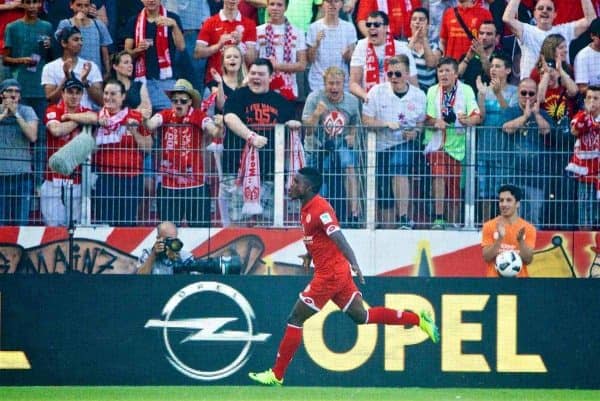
179, 101
527, 93
542, 8
396, 74
12, 90
374, 24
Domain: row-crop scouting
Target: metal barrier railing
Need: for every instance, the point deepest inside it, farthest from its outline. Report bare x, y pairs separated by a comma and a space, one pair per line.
370, 186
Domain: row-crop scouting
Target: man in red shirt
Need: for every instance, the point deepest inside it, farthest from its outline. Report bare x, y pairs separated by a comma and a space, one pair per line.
63, 122
399, 13
454, 41
333, 258
228, 27
183, 192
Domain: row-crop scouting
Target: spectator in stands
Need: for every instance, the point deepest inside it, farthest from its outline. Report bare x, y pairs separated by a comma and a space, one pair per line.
526, 129
508, 231
282, 43
337, 112
161, 258
192, 14
26, 59
232, 78
137, 92
228, 27
18, 127
250, 114
456, 40
587, 61
56, 10
425, 52
216, 93
10, 11
556, 88
94, 33
493, 100
368, 65
398, 110
137, 98
477, 61
451, 106
70, 65
398, 11
585, 162
183, 194
330, 42
530, 37
153, 37
121, 141
60, 206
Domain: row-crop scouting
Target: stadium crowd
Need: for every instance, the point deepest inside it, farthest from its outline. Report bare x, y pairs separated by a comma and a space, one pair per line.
183, 96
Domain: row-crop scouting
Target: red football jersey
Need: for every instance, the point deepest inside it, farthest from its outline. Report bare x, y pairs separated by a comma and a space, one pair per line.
54, 113
319, 221
181, 157
457, 41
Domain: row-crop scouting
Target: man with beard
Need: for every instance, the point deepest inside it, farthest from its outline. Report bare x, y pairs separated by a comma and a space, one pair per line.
337, 112
476, 62
183, 192
530, 38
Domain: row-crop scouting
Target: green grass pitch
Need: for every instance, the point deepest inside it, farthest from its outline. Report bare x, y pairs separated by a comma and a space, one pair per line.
250, 393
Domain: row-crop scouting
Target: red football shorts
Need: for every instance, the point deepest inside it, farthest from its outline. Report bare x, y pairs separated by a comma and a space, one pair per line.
340, 288
443, 165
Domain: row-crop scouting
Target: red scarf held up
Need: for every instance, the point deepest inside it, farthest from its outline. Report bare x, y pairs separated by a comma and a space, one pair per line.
161, 41
296, 155
249, 179
372, 64
281, 81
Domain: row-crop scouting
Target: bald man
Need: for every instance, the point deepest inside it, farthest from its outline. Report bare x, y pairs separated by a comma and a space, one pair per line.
161, 258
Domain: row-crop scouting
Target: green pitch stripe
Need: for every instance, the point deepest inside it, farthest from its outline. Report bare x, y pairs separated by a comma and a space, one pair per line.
250, 393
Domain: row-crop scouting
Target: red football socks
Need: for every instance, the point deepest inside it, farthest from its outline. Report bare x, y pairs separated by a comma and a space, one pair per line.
287, 348
379, 314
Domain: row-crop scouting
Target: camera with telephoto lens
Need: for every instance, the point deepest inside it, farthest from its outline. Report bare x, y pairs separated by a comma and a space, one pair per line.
226, 264
450, 117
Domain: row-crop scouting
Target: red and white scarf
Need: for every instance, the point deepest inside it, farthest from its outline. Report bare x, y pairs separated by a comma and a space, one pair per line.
161, 41
296, 155
585, 162
372, 63
249, 179
216, 145
282, 81
115, 129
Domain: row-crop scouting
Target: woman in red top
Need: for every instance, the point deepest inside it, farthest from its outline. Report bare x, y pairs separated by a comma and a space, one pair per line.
122, 141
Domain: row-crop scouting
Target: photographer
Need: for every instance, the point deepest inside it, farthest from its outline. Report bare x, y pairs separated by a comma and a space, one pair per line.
166, 252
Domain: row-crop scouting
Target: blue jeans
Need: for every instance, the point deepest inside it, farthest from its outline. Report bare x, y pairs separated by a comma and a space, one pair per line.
40, 150
116, 199
15, 199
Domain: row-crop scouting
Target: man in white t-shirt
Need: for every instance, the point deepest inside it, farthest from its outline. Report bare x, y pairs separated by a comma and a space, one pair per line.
370, 57
70, 65
330, 42
530, 37
398, 108
284, 45
587, 61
